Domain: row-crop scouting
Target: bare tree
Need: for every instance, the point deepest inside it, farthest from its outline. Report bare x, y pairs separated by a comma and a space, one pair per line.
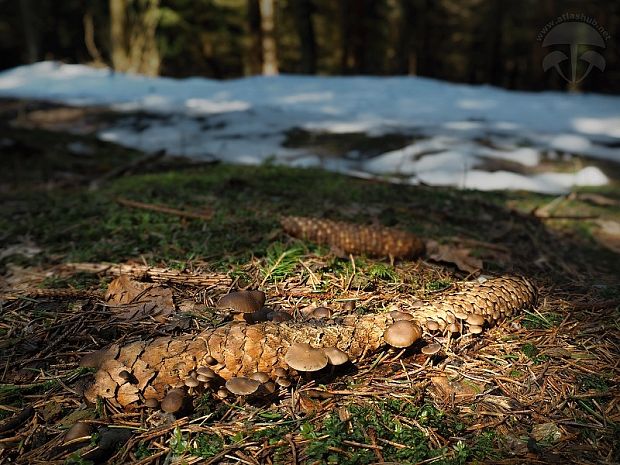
303, 11
133, 26
270, 58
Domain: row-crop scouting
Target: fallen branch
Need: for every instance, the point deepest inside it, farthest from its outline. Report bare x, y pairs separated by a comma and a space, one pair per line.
162, 275
124, 169
164, 209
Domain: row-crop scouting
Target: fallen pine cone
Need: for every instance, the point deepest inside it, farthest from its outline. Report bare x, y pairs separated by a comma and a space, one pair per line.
351, 238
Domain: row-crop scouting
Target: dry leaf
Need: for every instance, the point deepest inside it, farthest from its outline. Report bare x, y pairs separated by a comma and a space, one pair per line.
608, 234
459, 390
133, 300
458, 256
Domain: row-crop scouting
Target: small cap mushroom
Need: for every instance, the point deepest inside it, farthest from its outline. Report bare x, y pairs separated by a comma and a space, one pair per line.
282, 381
453, 328
280, 372
397, 315
128, 377
349, 306
173, 402
210, 360
78, 430
269, 387
303, 357
206, 372
279, 317
222, 393
260, 377
191, 382
475, 319
240, 301
432, 325
151, 402
402, 334
259, 296
461, 315
242, 386
336, 356
321, 312
261, 315
475, 329
431, 349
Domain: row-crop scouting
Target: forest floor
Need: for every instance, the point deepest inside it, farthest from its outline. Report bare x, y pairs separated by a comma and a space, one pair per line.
539, 388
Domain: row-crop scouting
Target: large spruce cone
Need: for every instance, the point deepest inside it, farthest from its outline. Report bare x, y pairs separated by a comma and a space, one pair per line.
147, 371
355, 239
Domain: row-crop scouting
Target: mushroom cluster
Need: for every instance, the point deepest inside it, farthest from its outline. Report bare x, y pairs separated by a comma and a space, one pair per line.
301, 356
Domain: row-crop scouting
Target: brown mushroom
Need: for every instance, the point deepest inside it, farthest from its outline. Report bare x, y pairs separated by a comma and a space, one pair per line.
280, 372
432, 325
269, 387
242, 386
303, 357
431, 349
282, 381
209, 360
475, 319
240, 302
397, 315
461, 315
321, 312
191, 382
173, 401
77, 431
402, 334
475, 329
453, 328
260, 376
151, 402
206, 372
349, 306
336, 356
279, 317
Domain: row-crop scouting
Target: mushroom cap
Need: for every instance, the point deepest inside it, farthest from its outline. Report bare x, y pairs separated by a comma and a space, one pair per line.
240, 301
282, 381
349, 306
269, 387
475, 319
204, 379
173, 401
336, 356
242, 386
222, 393
397, 315
259, 296
402, 333
280, 372
279, 317
78, 430
475, 329
206, 372
261, 315
191, 382
321, 312
260, 376
432, 325
210, 360
303, 357
461, 315
453, 328
431, 349
151, 402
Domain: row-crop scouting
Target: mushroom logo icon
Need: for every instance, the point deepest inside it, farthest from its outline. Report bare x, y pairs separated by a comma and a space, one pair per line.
573, 34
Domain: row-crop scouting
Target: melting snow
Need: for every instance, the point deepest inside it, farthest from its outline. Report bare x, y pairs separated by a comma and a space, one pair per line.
465, 136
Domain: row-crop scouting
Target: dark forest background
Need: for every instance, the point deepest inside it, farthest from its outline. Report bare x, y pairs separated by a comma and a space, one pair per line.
470, 41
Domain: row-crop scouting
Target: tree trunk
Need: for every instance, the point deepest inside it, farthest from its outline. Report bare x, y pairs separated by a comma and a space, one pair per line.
303, 10
254, 57
30, 35
267, 20
133, 39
